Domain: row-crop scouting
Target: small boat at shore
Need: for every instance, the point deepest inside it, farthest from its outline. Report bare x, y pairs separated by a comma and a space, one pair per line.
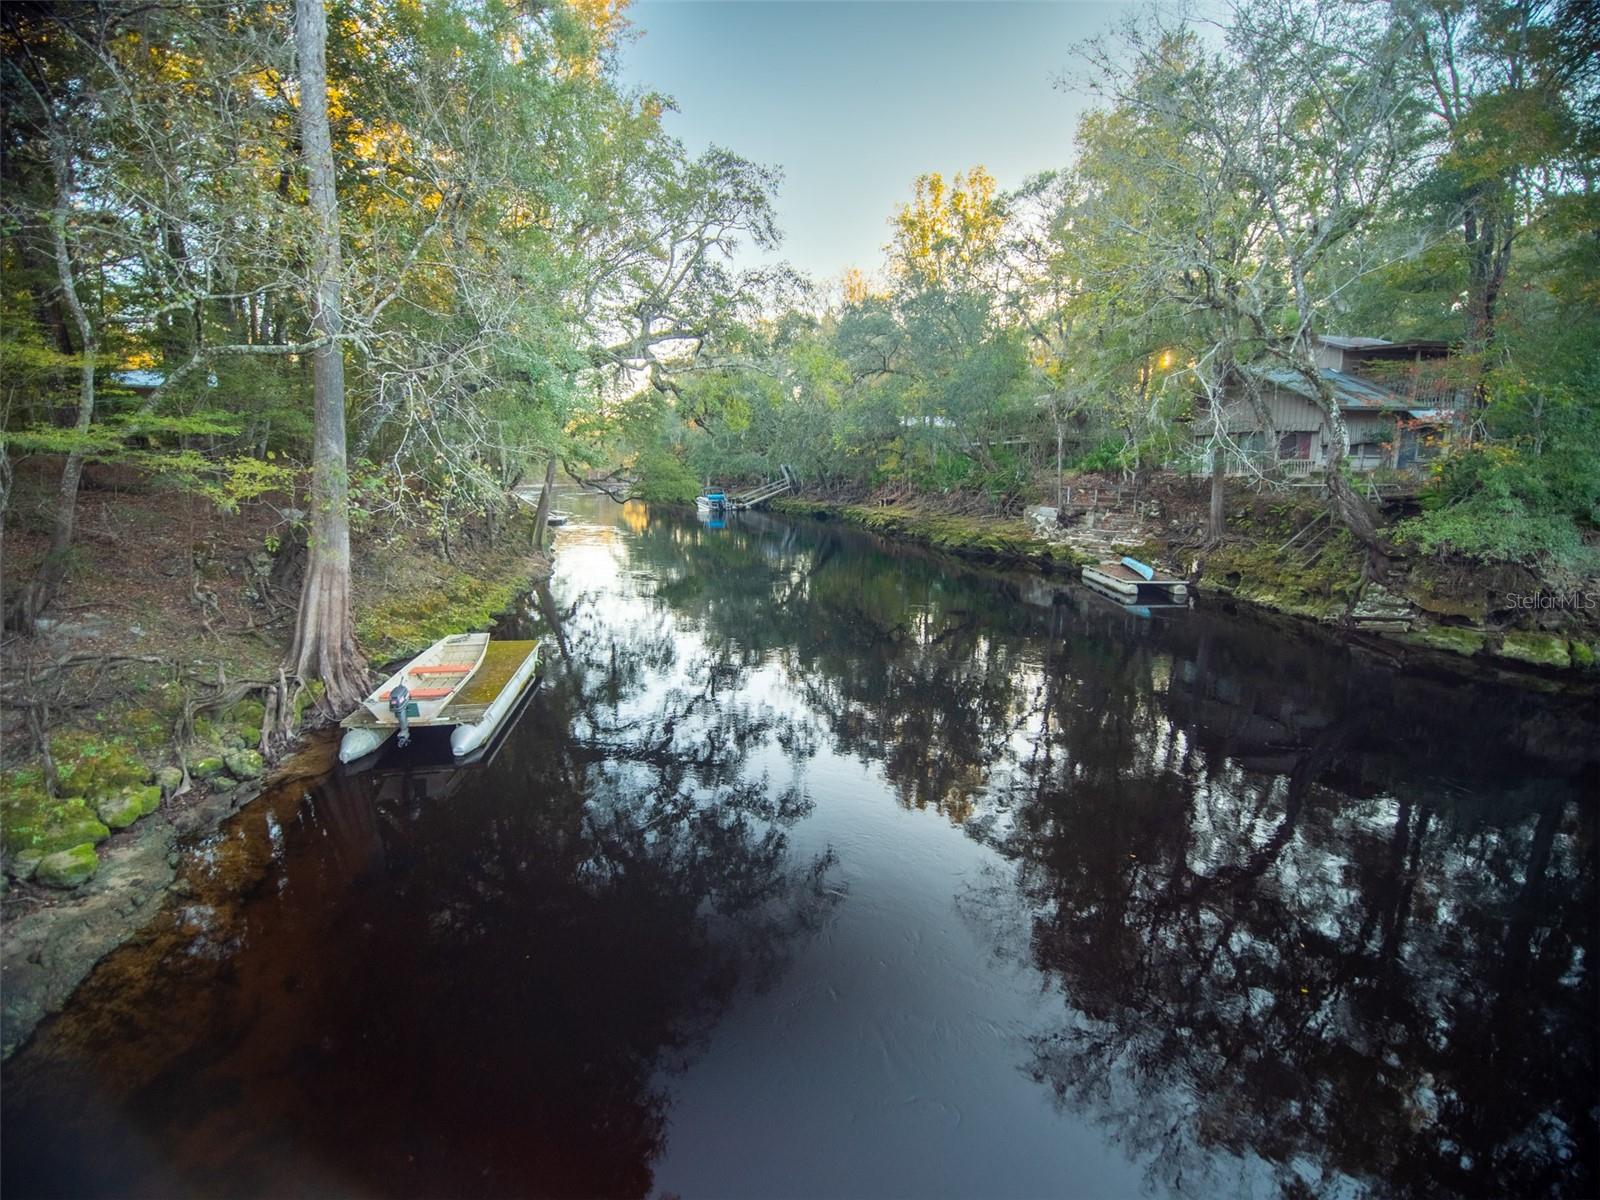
1128, 577
465, 681
712, 503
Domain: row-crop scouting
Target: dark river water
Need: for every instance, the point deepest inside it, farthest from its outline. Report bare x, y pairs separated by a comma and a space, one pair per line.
819, 867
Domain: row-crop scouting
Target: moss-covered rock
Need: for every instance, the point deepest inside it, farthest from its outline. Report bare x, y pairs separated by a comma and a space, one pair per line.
1453, 639
1583, 655
1444, 603
169, 780
148, 796
1537, 649
68, 868
246, 717
90, 765
243, 764
232, 739
25, 864
208, 767
119, 811
305, 697
52, 825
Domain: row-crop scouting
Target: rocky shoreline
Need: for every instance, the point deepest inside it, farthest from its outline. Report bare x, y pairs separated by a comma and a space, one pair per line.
52, 945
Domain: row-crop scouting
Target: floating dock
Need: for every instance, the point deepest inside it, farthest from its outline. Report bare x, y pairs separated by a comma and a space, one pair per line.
475, 712
1130, 578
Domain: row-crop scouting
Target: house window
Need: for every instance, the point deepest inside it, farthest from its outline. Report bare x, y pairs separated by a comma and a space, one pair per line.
1368, 456
1294, 446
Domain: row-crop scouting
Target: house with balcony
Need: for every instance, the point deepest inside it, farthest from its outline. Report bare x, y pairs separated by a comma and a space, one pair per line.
1398, 399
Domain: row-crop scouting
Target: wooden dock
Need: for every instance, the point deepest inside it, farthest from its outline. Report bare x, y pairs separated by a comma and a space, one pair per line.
500, 663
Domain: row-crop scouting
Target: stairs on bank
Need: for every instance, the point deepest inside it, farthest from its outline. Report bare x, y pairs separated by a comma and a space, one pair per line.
1100, 522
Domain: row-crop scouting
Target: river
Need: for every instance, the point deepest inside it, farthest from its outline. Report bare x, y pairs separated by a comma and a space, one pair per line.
820, 867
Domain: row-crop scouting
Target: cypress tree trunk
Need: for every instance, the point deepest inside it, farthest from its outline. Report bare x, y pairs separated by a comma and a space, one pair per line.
324, 640
1216, 524
541, 515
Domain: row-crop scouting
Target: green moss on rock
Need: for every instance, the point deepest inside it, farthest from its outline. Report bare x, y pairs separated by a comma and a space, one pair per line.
1582, 654
1323, 590
208, 767
245, 717
304, 698
984, 538
1537, 649
90, 765
118, 812
169, 780
68, 868
1450, 638
48, 825
244, 764
404, 624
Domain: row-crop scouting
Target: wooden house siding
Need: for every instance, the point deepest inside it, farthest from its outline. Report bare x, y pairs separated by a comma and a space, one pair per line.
1290, 413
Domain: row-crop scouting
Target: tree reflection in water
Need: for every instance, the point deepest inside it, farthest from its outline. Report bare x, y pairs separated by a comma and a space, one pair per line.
1310, 920
1307, 925
443, 982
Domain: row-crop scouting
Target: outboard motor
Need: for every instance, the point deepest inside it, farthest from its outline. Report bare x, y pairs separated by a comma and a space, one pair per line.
398, 699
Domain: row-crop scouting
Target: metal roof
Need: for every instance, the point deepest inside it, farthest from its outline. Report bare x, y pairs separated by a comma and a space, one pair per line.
1351, 391
1351, 343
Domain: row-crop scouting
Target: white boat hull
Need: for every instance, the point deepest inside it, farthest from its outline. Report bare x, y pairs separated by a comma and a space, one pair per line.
358, 743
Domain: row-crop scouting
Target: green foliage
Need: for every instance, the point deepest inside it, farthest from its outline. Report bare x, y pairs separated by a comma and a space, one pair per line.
1503, 502
1110, 455
226, 482
1500, 529
663, 477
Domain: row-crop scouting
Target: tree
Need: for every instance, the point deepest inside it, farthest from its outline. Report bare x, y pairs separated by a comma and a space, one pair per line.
324, 644
137, 215
949, 235
47, 581
1258, 163
1511, 88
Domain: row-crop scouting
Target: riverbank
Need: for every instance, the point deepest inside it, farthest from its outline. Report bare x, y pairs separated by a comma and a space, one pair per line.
148, 681
1282, 556
986, 538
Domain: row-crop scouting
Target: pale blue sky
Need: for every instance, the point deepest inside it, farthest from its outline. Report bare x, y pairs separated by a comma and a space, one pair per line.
855, 98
